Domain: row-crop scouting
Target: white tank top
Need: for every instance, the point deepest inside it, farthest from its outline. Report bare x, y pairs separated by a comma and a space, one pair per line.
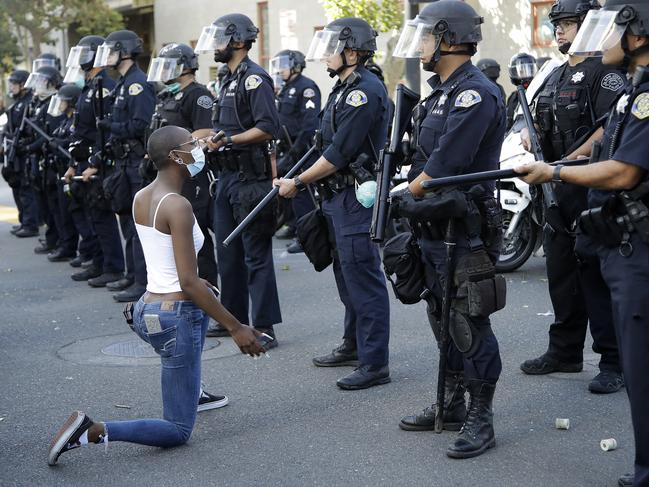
162, 274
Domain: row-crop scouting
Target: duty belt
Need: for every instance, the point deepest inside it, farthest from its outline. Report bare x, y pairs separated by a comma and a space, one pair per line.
335, 184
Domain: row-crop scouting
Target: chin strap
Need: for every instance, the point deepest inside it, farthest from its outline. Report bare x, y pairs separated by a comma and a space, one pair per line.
629, 54
335, 72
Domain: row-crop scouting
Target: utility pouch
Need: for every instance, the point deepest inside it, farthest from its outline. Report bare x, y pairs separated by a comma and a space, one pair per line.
250, 194
484, 292
600, 224
117, 190
402, 259
313, 235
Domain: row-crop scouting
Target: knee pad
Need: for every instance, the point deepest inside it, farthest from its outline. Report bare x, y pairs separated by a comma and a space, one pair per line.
464, 333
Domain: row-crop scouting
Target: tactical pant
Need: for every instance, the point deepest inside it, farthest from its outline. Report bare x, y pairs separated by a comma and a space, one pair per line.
104, 224
628, 281
483, 362
68, 237
207, 268
246, 265
30, 210
15, 192
579, 296
135, 264
359, 278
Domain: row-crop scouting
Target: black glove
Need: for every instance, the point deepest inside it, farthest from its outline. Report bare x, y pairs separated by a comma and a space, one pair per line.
104, 124
95, 159
79, 151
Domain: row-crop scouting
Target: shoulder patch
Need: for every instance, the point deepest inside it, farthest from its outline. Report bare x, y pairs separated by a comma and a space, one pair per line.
204, 102
252, 82
308, 93
467, 99
356, 98
640, 108
310, 105
135, 89
612, 81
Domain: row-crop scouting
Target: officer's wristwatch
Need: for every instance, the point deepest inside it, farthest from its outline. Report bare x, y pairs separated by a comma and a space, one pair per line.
556, 174
228, 142
299, 185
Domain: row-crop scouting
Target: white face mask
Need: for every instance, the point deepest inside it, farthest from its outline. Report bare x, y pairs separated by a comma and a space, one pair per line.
199, 161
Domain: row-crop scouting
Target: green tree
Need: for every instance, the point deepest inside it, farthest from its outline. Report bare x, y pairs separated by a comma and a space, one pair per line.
34, 21
9, 50
384, 16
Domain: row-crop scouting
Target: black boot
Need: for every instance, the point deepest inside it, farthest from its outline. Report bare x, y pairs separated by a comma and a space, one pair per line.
626, 480
477, 433
454, 408
343, 355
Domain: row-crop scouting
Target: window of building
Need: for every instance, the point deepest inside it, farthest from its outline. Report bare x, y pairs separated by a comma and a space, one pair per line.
543, 31
263, 41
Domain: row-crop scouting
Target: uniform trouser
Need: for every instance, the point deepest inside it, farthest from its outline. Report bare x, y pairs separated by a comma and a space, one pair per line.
579, 296
48, 217
628, 281
483, 361
30, 210
89, 247
359, 278
135, 264
15, 192
68, 237
207, 268
246, 265
105, 227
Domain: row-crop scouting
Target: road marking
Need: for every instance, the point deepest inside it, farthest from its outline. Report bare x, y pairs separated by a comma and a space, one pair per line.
8, 214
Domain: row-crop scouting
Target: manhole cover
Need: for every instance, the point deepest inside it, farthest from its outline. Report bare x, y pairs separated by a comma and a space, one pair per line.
141, 349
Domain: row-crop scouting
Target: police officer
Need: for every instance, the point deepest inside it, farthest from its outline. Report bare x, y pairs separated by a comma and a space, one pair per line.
522, 69
46, 59
185, 103
458, 129
87, 142
491, 69
354, 123
13, 170
298, 104
44, 82
617, 221
130, 118
575, 95
245, 111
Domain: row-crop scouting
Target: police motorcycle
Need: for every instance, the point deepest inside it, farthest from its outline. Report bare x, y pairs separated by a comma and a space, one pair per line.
522, 220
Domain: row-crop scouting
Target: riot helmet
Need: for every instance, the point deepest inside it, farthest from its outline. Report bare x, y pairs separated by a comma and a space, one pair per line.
172, 62
225, 30
65, 98
46, 59
490, 68
452, 21
16, 82
522, 69
285, 64
118, 46
570, 10
45, 81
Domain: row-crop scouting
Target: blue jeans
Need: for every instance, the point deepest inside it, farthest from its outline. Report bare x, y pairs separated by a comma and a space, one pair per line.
179, 343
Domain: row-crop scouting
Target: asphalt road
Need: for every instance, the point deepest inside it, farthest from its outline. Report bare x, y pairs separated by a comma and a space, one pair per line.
287, 423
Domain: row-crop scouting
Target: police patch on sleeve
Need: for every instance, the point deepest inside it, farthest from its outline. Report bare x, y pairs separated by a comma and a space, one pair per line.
356, 98
204, 102
640, 108
467, 99
310, 105
309, 93
252, 82
135, 89
612, 81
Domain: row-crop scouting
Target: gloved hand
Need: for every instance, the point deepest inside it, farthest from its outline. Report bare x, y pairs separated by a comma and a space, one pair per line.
95, 159
104, 124
79, 151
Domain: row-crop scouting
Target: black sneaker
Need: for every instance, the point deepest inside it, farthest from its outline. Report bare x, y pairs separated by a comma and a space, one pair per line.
15, 229
606, 382
68, 436
86, 274
104, 279
209, 401
545, 364
77, 261
26, 233
285, 233
295, 248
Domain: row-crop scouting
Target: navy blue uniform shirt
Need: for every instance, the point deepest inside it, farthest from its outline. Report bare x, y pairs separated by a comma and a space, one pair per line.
247, 101
190, 108
15, 114
133, 106
626, 137
355, 114
85, 126
299, 106
463, 127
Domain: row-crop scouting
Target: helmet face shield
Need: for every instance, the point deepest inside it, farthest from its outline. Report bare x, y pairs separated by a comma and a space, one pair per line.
164, 69
278, 64
37, 82
213, 38
522, 69
325, 43
598, 33
106, 56
57, 106
74, 74
39, 63
78, 56
278, 81
417, 40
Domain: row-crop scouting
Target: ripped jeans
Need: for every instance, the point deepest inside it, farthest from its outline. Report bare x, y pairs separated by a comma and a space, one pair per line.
176, 330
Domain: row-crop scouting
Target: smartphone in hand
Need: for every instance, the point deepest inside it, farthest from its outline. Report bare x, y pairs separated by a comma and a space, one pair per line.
264, 341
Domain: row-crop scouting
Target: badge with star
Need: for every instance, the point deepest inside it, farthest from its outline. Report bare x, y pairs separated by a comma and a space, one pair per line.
252, 82
640, 108
356, 98
135, 89
578, 77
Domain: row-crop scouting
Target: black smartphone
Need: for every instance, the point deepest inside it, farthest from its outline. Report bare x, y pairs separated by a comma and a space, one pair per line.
265, 340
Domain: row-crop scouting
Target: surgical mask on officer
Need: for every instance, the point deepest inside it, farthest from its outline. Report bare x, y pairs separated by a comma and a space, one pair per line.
366, 193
